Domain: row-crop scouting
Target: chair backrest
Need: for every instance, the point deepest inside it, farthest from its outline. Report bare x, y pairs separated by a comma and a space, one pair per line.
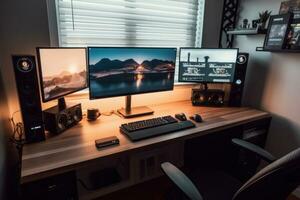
276, 181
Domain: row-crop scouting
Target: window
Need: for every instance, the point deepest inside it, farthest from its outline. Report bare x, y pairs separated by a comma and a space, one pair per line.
160, 23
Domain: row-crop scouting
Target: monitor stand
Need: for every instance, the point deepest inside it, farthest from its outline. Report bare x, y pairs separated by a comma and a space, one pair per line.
129, 112
202, 87
61, 104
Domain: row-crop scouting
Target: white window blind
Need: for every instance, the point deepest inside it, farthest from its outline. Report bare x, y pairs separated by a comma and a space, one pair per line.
163, 23
141, 23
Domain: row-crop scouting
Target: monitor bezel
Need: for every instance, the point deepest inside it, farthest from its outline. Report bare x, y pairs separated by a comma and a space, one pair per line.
41, 73
127, 94
208, 82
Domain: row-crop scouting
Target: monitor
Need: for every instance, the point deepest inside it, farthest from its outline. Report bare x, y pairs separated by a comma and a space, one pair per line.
123, 71
62, 71
118, 71
207, 65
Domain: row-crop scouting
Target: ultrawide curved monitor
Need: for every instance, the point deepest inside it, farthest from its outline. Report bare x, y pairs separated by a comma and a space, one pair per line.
62, 71
121, 71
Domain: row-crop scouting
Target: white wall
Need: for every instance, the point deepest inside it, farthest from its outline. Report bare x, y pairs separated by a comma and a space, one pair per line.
272, 83
212, 22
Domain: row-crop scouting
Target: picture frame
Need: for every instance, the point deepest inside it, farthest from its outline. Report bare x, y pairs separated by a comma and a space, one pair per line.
293, 38
290, 6
278, 30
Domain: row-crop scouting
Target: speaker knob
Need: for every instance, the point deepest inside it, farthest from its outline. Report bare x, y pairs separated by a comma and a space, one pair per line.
238, 82
77, 114
24, 64
241, 59
62, 121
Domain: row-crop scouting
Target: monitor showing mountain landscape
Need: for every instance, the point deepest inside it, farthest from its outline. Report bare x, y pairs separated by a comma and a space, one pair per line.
62, 71
123, 71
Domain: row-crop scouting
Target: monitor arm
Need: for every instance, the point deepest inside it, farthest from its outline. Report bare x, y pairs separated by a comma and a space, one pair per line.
263, 154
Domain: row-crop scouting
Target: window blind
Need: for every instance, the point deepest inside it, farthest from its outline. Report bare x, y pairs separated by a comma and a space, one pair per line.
165, 23
141, 23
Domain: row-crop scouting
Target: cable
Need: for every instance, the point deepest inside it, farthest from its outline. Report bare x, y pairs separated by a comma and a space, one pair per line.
18, 133
110, 113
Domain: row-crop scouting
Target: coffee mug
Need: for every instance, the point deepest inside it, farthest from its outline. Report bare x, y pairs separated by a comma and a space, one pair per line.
93, 114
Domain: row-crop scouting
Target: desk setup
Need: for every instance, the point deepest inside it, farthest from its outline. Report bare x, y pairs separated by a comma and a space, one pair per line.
75, 149
79, 158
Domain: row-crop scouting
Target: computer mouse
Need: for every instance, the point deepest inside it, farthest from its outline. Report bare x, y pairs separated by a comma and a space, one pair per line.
181, 117
197, 118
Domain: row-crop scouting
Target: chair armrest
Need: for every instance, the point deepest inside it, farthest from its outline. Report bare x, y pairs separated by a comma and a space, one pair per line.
181, 181
263, 154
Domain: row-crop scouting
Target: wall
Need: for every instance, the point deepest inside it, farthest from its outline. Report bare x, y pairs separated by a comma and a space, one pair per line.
272, 83
24, 26
9, 160
212, 23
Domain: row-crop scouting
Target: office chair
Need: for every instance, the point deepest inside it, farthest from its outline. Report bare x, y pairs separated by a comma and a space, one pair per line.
274, 182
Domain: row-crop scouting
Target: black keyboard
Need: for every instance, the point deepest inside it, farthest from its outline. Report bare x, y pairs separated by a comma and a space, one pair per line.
153, 127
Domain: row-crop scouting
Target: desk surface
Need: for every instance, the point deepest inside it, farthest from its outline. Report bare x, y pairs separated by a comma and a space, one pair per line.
76, 146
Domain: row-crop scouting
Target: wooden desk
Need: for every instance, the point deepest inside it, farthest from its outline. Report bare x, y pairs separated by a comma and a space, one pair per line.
75, 148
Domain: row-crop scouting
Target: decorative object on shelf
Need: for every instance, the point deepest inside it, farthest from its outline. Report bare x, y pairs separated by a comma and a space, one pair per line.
255, 23
290, 6
293, 39
245, 25
278, 30
263, 18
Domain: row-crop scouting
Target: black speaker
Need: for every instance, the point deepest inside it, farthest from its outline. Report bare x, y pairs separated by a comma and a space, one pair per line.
57, 120
29, 97
237, 87
210, 97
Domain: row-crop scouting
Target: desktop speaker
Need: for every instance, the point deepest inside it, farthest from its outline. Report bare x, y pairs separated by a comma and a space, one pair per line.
237, 87
57, 120
209, 97
29, 97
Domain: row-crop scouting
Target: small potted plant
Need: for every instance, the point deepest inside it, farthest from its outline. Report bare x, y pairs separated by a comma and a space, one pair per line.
263, 18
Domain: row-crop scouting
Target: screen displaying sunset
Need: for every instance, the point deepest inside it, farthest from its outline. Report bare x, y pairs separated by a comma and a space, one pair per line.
63, 71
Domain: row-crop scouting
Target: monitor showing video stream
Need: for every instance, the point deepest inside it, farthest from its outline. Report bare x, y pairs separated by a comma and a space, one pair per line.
207, 65
121, 71
62, 71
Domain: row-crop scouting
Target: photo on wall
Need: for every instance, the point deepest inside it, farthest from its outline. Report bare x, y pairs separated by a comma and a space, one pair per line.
122, 71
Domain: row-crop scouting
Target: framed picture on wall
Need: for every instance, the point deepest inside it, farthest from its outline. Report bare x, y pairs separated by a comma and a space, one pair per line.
293, 39
290, 6
278, 31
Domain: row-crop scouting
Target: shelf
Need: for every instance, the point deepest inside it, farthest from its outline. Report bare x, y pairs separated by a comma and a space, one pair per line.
278, 50
247, 32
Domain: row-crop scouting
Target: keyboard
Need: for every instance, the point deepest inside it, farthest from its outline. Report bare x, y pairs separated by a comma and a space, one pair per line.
143, 129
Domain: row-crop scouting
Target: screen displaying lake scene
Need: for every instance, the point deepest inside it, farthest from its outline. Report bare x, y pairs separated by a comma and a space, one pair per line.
125, 71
